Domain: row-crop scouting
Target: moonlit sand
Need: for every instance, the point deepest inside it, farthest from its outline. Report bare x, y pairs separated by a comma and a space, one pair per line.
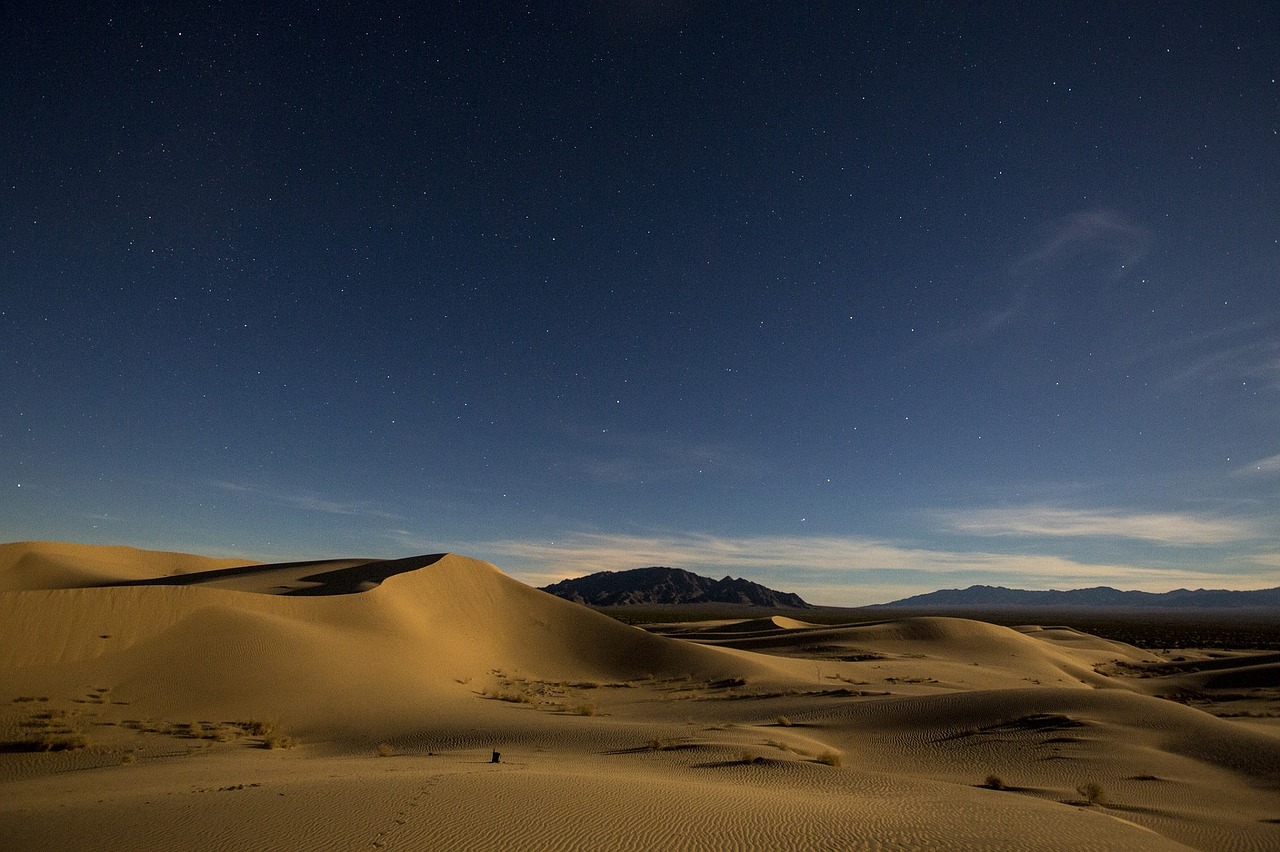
191, 703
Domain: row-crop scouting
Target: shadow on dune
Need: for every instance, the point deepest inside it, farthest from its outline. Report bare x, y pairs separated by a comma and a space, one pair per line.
331, 577
352, 579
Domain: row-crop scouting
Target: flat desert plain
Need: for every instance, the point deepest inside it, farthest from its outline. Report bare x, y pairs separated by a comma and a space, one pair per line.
154, 701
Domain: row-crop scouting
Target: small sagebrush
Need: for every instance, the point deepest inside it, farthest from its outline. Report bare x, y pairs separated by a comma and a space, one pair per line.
829, 758
255, 728
994, 782
1093, 793
47, 742
385, 750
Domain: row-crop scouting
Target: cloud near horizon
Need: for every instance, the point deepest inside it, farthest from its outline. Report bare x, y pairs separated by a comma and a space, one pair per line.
845, 570
1167, 528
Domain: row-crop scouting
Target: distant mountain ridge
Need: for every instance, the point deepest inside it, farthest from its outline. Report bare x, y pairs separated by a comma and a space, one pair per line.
1099, 596
658, 585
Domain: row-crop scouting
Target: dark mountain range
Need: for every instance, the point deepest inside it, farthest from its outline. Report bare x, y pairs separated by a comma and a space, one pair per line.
1102, 596
650, 586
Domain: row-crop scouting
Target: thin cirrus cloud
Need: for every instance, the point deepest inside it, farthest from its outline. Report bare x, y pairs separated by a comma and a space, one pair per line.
1087, 232
630, 459
304, 500
1269, 465
1169, 528
792, 559
1254, 361
1097, 235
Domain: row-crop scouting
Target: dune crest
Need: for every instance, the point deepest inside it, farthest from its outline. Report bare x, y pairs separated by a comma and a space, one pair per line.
31, 565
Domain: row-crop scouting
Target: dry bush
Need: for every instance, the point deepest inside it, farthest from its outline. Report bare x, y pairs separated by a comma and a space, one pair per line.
385, 750
784, 722
586, 710
279, 741
46, 742
994, 782
829, 757
1093, 793
255, 728
750, 756
53, 715
507, 695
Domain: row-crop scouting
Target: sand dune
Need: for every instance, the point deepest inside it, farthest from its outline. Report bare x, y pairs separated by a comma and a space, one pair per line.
54, 565
165, 675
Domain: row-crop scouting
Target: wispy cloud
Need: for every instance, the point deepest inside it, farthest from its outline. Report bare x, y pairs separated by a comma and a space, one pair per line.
1089, 232
305, 500
1254, 362
1170, 528
618, 458
1241, 355
1105, 243
1269, 465
830, 569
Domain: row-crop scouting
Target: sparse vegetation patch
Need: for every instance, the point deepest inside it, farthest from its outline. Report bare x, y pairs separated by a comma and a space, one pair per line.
46, 742
1093, 793
830, 757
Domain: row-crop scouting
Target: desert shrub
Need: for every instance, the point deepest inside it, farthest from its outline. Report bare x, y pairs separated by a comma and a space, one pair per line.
586, 710
255, 728
1093, 793
784, 722
53, 715
994, 782
829, 757
279, 741
385, 750
47, 742
508, 695
750, 756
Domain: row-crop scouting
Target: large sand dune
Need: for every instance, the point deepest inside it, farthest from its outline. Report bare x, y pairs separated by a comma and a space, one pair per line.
385, 686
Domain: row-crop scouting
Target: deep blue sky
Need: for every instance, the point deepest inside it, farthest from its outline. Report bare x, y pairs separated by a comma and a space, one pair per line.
859, 303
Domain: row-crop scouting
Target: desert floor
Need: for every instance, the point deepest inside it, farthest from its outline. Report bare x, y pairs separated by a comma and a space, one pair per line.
188, 703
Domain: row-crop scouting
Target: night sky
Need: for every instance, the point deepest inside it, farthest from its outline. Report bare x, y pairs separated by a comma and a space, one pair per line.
857, 303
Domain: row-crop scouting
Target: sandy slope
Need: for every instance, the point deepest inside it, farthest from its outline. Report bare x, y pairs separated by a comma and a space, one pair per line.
766, 734
55, 565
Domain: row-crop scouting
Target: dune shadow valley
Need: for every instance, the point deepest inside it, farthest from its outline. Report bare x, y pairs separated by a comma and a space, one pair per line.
164, 701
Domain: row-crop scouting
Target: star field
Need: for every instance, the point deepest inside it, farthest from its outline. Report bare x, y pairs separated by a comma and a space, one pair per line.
857, 302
